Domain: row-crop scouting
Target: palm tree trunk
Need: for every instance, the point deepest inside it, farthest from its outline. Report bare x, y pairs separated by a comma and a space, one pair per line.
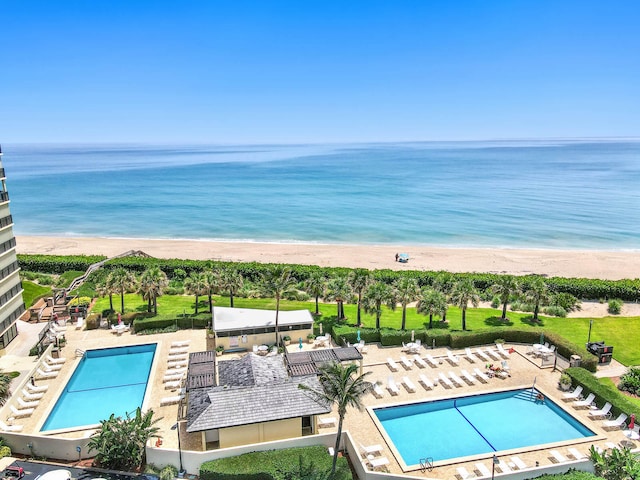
210, 304
149, 304
404, 317
535, 311
317, 298
444, 317
277, 312
336, 447
122, 301
111, 301
378, 313
430, 321
359, 302
196, 303
464, 319
504, 311
231, 299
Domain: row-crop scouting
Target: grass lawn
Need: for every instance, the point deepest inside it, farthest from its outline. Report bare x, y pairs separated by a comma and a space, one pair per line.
621, 332
67, 277
608, 382
33, 291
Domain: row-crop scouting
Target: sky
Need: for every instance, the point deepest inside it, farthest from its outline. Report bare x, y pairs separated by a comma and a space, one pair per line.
233, 72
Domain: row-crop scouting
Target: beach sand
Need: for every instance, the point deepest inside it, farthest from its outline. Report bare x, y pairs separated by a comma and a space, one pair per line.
611, 265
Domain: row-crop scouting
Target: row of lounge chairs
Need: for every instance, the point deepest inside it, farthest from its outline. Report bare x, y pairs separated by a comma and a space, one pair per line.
177, 361
595, 413
451, 380
484, 354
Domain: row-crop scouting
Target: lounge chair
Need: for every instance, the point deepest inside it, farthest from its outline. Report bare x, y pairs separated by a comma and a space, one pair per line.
603, 412
617, 423
519, 463
404, 347
470, 356
50, 368
392, 387
557, 456
31, 396
575, 395
362, 348
180, 343
178, 357
178, 350
482, 355
327, 421
586, 403
480, 375
55, 328
178, 364
393, 366
173, 385
445, 381
79, 323
418, 361
371, 449
428, 384
406, 363
505, 366
456, 379
576, 454
378, 462
21, 412
36, 388
32, 404
468, 377
54, 361
408, 384
170, 400
172, 378
432, 361
492, 354
377, 391
46, 374
463, 473
452, 358
504, 468
10, 428
501, 351
483, 470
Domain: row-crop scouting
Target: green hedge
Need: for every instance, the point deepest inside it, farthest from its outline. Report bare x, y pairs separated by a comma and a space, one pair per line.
57, 264
620, 403
141, 323
275, 465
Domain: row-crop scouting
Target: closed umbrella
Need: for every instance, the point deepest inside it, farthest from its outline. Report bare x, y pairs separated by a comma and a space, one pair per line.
320, 329
632, 422
358, 337
413, 335
541, 338
300, 343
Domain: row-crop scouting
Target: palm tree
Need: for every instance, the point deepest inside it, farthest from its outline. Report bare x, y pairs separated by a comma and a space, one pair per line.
505, 286
153, 282
278, 282
339, 291
122, 281
212, 281
103, 289
5, 391
374, 297
406, 290
316, 285
343, 388
443, 282
231, 281
359, 279
196, 284
432, 302
464, 292
537, 293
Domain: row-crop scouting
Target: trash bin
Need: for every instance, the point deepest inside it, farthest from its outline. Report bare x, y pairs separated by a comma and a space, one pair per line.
55, 352
575, 360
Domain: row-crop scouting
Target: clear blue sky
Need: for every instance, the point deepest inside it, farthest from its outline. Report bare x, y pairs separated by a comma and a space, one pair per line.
317, 71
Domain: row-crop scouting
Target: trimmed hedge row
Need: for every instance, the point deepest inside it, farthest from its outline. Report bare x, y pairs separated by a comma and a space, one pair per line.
275, 465
620, 403
583, 288
141, 324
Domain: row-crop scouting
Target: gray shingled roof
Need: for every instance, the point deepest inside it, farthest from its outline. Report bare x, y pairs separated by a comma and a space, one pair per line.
252, 370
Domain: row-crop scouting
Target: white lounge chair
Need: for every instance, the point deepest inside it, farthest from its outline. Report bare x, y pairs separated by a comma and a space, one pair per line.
575, 395
31, 404
371, 449
50, 368
418, 361
428, 384
470, 356
557, 456
378, 462
456, 379
404, 347
56, 329
178, 350
10, 428
178, 357
445, 381
452, 358
603, 412
617, 423
518, 463
482, 355
463, 473
505, 366
170, 400
362, 347
586, 402
483, 470
504, 468
406, 363
55, 361
392, 365
377, 391
172, 378
432, 361
576, 454
173, 385
22, 412
79, 323
501, 351
36, 388
178, 364
46, 374
180, 343
468, 377
492, 354
392, 387
480, 375
327, 421
408, 384
31, 396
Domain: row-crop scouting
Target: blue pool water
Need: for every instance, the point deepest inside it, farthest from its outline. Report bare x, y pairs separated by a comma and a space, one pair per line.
110, 380
474, 425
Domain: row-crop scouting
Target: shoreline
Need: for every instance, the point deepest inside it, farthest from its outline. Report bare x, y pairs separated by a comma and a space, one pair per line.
606, 265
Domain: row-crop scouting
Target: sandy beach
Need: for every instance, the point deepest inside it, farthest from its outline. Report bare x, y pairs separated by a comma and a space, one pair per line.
566, 263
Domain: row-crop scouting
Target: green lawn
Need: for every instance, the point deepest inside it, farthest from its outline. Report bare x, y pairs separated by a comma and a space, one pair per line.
621, 332
33, 291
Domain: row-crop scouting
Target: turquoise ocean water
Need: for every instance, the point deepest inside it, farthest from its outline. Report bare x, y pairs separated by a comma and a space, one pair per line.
525, 194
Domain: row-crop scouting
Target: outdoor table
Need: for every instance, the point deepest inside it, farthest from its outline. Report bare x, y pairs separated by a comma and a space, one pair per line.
262, 349
633, 435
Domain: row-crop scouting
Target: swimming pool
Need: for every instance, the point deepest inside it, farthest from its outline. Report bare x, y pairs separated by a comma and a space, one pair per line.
478, 424
109, 380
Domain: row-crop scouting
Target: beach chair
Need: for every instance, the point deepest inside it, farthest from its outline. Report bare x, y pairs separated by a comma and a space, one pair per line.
575, 395
172, 377
483, 470
178, 364
173, 385
178, 357
31, 404
431, 361
22, 412
445, 381
36, 388
470, 356
404, 347
406, 363
42, 374
603, 412
501, 351
480, 375
55, 361
393, 366
370, 449
617, 423
518, 463
463, 473
482, 355
50, 368
428, 384
178, 350
456, 379
31, 396
492, 354
586, 403
392, 387
418, 361
452, 358
576, 454
377, 391
170, 400
408, 384
504, 468
557, 456
468, 377
10, 428
378, 462
57, 329
326, 421
180, 343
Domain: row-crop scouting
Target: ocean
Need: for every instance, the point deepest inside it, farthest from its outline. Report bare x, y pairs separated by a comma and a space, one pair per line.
557, 194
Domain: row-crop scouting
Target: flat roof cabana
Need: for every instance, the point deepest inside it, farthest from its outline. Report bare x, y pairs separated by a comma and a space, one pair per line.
229, 322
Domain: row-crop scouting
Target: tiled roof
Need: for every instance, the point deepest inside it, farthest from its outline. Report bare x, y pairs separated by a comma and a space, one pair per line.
307, 363
252, 370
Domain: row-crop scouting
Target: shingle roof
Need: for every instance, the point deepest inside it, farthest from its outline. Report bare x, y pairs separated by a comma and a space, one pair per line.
307, 363
252, 370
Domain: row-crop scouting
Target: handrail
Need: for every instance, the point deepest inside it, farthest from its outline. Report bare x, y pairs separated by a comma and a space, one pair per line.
426, 464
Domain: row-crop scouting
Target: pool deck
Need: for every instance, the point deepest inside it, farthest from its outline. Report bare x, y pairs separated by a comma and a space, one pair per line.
361, 424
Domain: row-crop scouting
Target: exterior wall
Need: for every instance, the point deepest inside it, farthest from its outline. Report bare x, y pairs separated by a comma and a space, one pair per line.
260, 432
261, 339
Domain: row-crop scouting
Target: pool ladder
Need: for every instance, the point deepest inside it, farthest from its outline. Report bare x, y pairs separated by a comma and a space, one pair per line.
426, 464
79, 353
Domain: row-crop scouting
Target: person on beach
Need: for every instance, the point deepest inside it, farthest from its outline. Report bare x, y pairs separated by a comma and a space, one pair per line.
397, 256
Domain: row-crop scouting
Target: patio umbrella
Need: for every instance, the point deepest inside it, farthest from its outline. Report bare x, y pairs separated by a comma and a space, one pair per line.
541, 338
300, 343
632, 422
119, 319
413, 335
358, 337
320, 329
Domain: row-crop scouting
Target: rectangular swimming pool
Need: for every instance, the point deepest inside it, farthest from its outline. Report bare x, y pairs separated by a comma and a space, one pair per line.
478, 424
110, 380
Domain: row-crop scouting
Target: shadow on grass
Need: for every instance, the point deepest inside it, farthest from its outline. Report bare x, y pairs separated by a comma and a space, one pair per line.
498, 322
528, 320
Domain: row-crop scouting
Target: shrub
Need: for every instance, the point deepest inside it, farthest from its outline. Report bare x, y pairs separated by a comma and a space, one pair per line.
614, 307
555, 311
93, 321
495, 301
630, 381
5, 451
80, 302
566, 301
